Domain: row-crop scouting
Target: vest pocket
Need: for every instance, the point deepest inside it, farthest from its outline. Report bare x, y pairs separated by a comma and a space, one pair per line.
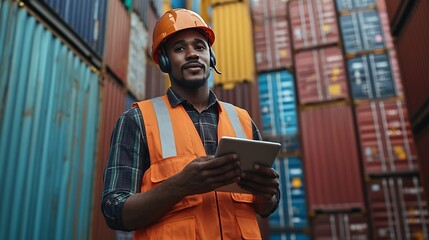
175, 229
242, 197
249, 227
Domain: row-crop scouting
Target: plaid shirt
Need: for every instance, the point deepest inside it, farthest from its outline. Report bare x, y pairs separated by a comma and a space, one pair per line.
129, 155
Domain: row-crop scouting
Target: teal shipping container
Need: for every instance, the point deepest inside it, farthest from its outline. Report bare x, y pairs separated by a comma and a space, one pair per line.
279, 108
289, 236
48, 125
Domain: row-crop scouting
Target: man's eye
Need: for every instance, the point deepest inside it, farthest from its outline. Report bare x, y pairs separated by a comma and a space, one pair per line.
200, 47
179, 49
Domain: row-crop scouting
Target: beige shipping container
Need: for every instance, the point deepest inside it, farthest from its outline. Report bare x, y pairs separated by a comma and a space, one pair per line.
137, 58
233, 47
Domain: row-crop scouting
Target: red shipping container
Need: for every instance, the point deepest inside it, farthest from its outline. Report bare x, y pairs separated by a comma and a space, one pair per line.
392, 7
422, 143
385, 137
340, 226
398, 207
385, 24
331, 161
314, 23
272, 44
262, 9
321, 75
118, 39
244, 95
113, 105
156, 80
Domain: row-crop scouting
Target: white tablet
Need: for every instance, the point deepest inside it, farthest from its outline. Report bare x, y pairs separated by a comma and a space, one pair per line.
249, 152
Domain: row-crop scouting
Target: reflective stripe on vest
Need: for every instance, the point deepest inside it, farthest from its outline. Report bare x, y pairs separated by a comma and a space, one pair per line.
166, 131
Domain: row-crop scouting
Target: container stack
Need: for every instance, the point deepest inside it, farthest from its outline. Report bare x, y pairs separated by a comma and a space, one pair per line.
397, 203
279, 121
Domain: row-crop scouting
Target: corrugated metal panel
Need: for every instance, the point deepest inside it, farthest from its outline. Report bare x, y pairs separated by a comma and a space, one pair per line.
343, 5
422, 141
137, 58
314, 23
371, 77
320, 75
262, 9
399, 209
384, 18
141, 8
244, 95
288, 236
292, 210
155, 80
128, 4
48, 133
118, 39
279, 109
361, 31
178, 3
413, 60
272, 44
113, 105
392, 7
234, 43
158, 6
194, 5
331, 159
151, 18
385, 137
86, 18
343, 226
219, 2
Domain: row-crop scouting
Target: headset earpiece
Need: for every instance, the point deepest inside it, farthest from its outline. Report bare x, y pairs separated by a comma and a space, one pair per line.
212, 58
164, 61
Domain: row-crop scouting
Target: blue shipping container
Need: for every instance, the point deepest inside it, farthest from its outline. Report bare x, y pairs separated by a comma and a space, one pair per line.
279, 108
86, 18
48, 125
288, 236
292, 210
178, 4
361, 31
371, 77
343, 5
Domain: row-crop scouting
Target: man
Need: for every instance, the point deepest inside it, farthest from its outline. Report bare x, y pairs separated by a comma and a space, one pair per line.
161, 177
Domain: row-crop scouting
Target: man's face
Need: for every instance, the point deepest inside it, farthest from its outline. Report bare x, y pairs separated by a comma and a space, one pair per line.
189, 56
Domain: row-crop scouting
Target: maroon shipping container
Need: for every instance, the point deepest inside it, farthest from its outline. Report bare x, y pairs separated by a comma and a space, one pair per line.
422, 143
151, 19
392, 7
320, 75
262, 9
314, 23
156, 80
341, 226
113, 105
118, 39
398, 207
244, 95
385, 136
331, 161
272, 44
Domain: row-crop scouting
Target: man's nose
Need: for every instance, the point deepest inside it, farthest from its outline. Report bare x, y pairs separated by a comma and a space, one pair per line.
192, 54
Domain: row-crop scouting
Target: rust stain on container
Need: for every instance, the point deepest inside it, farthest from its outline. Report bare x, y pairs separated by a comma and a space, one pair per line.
113, 105
331, 159
321, 76
385, 137
118, 39
272, 44
314, 23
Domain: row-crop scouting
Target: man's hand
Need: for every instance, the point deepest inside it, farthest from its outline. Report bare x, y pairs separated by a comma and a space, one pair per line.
206, 174
262, 181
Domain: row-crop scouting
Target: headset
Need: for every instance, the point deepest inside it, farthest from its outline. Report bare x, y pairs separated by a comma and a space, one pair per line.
165, 66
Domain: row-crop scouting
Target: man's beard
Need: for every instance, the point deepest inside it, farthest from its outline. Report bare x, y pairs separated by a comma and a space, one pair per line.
189, 84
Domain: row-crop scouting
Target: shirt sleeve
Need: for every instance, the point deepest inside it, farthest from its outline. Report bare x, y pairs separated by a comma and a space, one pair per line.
127, 161
256, 133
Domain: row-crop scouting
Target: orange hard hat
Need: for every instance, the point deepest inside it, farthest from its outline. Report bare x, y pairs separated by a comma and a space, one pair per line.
176, 20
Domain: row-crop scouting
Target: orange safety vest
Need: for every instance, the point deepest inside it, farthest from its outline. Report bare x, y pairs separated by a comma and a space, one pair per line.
212, 215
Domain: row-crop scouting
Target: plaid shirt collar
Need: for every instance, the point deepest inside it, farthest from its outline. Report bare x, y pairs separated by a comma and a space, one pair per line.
175, 99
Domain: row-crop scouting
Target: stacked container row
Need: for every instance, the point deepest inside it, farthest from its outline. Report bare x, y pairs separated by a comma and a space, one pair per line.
48, 125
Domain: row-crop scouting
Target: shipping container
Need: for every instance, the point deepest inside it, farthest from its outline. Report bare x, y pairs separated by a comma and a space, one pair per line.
244, 95
195, 5
112, 106
263, 9
422, 141
87, 19
314, 23
152, 19
234, 43
371, 77
385, 137
141, 8
178, 4
129, 100
399, 208
292, 210
342, 226
272, 44
361, 31
155, 80
385, 25
289, 236
392, 7
331, 163
320, 75
348, 5
48, 124
279, 109
118, 40
158, 6
137, 58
